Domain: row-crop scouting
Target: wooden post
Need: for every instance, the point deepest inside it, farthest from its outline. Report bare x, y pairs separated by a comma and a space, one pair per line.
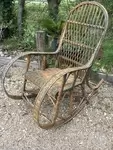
40, 41
41, 45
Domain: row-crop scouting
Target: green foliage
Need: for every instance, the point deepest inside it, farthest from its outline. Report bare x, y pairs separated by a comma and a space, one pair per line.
7, 15
12, 44
33, 14
51, 27
108, 4
105, 64
107, 60
28, 41
65, 7
7, 7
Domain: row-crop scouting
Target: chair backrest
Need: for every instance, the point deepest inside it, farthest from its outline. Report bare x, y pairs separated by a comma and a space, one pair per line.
82, 34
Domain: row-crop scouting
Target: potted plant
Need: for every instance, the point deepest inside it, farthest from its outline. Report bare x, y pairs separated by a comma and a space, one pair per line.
53, 30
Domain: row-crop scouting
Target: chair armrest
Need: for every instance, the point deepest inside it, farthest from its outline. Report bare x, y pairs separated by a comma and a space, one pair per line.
48, 85
38, 53
28, 54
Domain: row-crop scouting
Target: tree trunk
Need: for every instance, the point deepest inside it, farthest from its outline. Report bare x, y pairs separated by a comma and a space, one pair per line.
53, 8
21, 4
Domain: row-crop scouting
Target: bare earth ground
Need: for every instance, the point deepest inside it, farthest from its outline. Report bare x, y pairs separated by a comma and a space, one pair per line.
92, 129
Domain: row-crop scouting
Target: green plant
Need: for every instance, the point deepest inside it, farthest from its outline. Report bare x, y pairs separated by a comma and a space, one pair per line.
6, 7
31, 25
52, 28
7, 16
107, 60
29, 37
105, 64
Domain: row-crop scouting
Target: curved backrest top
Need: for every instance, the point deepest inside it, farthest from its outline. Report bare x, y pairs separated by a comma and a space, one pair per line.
83, 34
90, 4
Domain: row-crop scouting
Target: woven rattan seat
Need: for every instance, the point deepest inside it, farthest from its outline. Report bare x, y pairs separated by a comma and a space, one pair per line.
40, 77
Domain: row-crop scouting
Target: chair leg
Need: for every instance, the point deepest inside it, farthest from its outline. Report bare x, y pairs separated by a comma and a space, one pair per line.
95, 88
92, 85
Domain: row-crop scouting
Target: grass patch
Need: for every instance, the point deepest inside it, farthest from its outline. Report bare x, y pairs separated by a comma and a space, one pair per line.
105, 64
107, 60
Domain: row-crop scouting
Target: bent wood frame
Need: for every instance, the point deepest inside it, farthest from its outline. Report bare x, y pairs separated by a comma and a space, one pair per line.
78, 47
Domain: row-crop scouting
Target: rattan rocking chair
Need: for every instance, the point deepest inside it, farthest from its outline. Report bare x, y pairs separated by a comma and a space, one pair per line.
58, 93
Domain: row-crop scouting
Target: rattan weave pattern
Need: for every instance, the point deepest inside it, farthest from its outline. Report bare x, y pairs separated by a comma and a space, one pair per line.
83, 31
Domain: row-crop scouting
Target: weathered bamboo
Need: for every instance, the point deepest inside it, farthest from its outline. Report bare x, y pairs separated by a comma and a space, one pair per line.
79, 44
